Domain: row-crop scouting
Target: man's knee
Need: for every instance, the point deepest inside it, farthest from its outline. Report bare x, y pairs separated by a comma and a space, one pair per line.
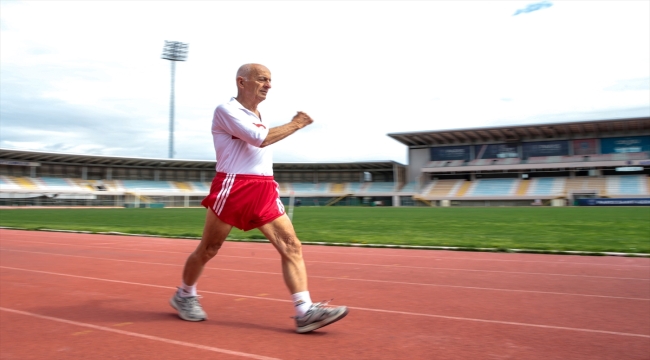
291, 246
207, 251
212, 249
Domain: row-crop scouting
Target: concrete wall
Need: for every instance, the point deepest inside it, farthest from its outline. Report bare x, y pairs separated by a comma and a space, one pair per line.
417, 159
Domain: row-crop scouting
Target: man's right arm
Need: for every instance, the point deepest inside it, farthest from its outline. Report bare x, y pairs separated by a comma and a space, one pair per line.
280, 132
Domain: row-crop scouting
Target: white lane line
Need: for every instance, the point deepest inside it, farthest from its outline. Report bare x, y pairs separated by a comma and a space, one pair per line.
339, 278
363, 264
138, 335
473, 270
138, 284
506, 322
102, 247
309, 250
434, 257
358, 308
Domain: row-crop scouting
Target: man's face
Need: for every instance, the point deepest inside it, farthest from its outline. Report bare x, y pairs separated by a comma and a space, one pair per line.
258, 83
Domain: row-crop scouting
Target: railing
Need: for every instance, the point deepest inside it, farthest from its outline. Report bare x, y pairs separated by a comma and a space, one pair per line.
540, 160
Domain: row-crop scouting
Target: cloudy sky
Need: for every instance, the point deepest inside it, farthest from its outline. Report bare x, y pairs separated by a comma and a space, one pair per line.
87, 77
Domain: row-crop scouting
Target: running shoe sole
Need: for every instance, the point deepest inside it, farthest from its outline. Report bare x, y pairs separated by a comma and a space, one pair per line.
319, 324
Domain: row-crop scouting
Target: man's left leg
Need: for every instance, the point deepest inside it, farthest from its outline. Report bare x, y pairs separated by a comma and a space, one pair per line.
309, 316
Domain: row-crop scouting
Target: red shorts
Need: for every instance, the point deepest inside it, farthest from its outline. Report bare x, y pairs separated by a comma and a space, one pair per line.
244, 201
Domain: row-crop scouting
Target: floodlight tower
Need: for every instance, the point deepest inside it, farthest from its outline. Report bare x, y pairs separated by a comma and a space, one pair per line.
173, 51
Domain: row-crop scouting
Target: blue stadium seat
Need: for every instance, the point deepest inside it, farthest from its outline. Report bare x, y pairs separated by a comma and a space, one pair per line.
381, 187
493, 187
542, 186
354, 187
410, 187
304, 187
140, 185
200, 186
631, 185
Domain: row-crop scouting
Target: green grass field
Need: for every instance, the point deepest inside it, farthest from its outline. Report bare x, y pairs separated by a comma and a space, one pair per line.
625, 229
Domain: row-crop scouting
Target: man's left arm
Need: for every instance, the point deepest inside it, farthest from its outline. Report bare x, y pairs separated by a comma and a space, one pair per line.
299, 121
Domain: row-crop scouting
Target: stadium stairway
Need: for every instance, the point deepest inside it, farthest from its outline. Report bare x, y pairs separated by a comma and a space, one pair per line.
523, 187
182, 186
112, 185
443, 188
337, 188
428, 188
25, 183
335, 200
464, 188
85, 185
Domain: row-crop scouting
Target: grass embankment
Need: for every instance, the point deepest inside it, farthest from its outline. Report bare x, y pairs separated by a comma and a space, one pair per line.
564, 229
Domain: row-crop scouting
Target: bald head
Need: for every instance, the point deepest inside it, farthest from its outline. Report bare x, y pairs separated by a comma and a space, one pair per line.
249, 70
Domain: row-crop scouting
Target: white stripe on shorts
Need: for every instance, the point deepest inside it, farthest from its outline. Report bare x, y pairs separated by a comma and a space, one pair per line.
278, 201
223, 194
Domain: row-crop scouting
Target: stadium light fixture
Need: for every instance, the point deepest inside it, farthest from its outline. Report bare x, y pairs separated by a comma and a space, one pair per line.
173, 51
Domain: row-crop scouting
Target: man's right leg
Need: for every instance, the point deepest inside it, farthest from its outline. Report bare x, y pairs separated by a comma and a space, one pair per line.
185, 300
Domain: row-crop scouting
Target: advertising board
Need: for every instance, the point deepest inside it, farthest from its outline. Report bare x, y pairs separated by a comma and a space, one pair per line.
614, 202
545, 148
584, 147
628, 144
496, 151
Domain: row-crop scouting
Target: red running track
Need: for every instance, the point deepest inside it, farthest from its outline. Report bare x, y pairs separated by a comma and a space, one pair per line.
74, 296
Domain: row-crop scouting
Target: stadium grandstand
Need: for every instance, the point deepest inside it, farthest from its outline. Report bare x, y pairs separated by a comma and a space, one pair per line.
541, 164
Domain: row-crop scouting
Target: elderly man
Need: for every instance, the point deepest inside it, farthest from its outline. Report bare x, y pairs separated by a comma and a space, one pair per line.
243, 194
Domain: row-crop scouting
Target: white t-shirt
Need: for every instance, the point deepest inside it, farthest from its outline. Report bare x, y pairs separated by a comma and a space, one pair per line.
237, 134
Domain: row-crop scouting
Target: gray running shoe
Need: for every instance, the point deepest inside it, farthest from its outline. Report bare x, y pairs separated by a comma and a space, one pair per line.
188, 307
319, 315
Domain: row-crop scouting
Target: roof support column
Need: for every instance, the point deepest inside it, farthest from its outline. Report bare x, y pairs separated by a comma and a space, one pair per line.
396, 178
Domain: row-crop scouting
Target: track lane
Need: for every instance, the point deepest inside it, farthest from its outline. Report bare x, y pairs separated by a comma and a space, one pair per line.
365, 335
368, 333
561, 311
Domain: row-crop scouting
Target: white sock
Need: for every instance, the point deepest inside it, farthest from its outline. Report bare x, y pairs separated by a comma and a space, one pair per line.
302, 302
187, 291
